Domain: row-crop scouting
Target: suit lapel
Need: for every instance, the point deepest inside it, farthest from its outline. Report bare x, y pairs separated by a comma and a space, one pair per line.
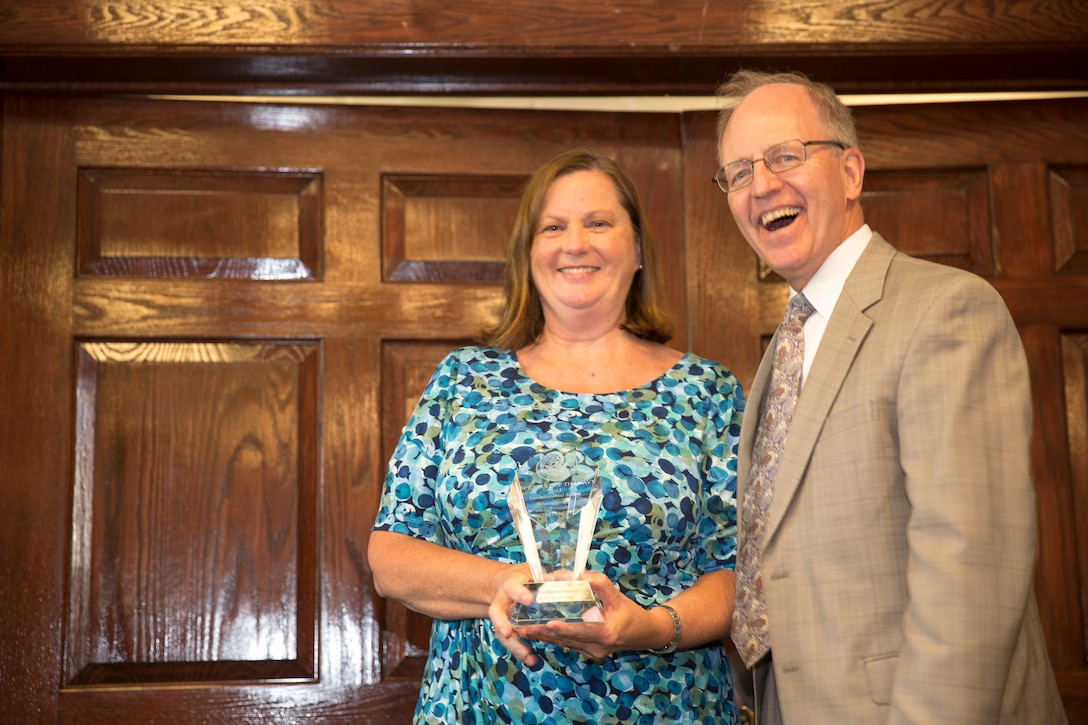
753, 406
846, 330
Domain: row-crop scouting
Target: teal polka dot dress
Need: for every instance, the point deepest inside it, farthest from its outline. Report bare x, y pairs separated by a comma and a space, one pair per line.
668, 516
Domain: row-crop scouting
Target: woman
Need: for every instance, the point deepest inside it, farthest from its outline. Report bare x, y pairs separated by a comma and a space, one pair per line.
577, 357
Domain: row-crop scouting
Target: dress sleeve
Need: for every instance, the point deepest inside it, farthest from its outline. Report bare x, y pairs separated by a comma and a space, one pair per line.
408, 499
718, 526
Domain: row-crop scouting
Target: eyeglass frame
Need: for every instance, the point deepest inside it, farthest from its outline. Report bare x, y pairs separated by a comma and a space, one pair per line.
752, 162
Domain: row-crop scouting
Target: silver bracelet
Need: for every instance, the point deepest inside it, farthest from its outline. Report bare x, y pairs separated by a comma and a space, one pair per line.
675, 641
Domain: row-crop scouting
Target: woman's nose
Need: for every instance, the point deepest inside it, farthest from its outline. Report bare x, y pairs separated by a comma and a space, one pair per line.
576, 239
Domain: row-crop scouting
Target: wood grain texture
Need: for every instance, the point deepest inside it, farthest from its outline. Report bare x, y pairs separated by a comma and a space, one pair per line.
557, 27
530, 47
226, 224
208, 580
193, 543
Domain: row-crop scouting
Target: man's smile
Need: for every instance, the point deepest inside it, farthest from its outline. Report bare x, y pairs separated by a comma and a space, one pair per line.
778, 218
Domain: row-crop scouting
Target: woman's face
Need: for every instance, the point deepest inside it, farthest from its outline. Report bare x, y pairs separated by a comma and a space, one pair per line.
584, 254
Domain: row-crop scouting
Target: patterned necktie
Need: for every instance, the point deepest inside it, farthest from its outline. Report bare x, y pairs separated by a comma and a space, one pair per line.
750, 632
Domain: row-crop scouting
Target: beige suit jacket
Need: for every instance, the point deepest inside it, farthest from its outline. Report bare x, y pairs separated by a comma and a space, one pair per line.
901, 538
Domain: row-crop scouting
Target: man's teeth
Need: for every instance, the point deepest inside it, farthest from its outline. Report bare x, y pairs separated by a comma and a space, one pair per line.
773, 216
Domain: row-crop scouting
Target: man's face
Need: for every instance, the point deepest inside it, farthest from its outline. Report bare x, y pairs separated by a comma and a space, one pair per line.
794, 219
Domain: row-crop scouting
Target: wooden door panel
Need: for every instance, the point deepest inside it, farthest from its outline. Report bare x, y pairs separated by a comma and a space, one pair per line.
406, 368
239, 305
942, 216
208, 224
195, 514
1059, 583
1075, 367
445, 228
1069, 210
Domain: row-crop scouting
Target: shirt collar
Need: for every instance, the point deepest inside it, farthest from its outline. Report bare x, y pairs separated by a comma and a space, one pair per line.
823, 290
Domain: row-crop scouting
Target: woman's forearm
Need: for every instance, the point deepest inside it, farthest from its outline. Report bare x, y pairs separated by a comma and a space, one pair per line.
706, 608
431, 579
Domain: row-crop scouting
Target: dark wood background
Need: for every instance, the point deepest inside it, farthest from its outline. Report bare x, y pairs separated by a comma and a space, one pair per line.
215, 315
528, 46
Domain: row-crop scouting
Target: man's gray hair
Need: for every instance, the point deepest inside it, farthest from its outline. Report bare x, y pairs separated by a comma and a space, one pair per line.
833, 113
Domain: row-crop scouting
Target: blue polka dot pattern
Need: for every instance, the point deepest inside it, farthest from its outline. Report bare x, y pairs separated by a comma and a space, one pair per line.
668, 516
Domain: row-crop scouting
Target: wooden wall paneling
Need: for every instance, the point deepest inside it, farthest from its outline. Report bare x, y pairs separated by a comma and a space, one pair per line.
1075, 367
944, 216
447, 229
1059, 571
204, 586
724, 321
350, 621
524, 47
407, 367
224, 235
524, 24
1024, 232
1067, 195
190, 223
194, 551
1069, 212
35, 426
1073, 642
1026, 228
1058, 577
657, 170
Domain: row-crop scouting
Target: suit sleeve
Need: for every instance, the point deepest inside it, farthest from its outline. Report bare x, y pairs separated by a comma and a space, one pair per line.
964, 422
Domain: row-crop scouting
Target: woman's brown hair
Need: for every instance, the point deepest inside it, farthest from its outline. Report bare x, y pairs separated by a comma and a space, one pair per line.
521, 321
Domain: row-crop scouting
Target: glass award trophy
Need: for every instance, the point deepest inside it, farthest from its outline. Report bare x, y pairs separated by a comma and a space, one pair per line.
554, 501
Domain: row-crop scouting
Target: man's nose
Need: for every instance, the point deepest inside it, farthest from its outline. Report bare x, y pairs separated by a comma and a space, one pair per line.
763, 178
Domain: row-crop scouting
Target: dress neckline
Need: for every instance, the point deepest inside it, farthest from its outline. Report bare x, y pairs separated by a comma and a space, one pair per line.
681, 362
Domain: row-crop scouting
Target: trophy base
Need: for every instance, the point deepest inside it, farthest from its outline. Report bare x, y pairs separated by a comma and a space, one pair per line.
565, 601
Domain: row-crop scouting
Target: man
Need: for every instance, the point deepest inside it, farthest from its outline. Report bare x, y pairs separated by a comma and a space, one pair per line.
887, 544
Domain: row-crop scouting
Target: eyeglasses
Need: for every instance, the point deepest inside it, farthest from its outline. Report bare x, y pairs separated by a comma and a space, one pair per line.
783, 157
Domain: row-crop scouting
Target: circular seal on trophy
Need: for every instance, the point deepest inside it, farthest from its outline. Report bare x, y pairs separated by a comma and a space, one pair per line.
554, 466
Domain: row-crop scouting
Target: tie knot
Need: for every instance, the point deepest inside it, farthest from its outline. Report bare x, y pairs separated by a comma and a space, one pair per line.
798, 310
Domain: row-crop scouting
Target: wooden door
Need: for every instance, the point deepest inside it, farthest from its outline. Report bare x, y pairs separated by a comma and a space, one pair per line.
215, 316
997, 189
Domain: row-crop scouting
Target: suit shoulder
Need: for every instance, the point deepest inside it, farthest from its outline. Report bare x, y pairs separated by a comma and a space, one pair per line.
920, 290
935, 279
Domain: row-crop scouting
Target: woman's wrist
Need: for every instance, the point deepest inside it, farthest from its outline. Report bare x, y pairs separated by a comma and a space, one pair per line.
676, 633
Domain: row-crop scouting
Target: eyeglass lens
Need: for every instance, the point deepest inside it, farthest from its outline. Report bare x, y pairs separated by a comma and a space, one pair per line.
783, 157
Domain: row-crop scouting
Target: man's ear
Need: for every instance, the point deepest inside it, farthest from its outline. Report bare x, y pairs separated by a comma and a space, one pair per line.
853, 164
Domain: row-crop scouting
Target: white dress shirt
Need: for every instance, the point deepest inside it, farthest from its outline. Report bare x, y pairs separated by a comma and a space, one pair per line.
826, 285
